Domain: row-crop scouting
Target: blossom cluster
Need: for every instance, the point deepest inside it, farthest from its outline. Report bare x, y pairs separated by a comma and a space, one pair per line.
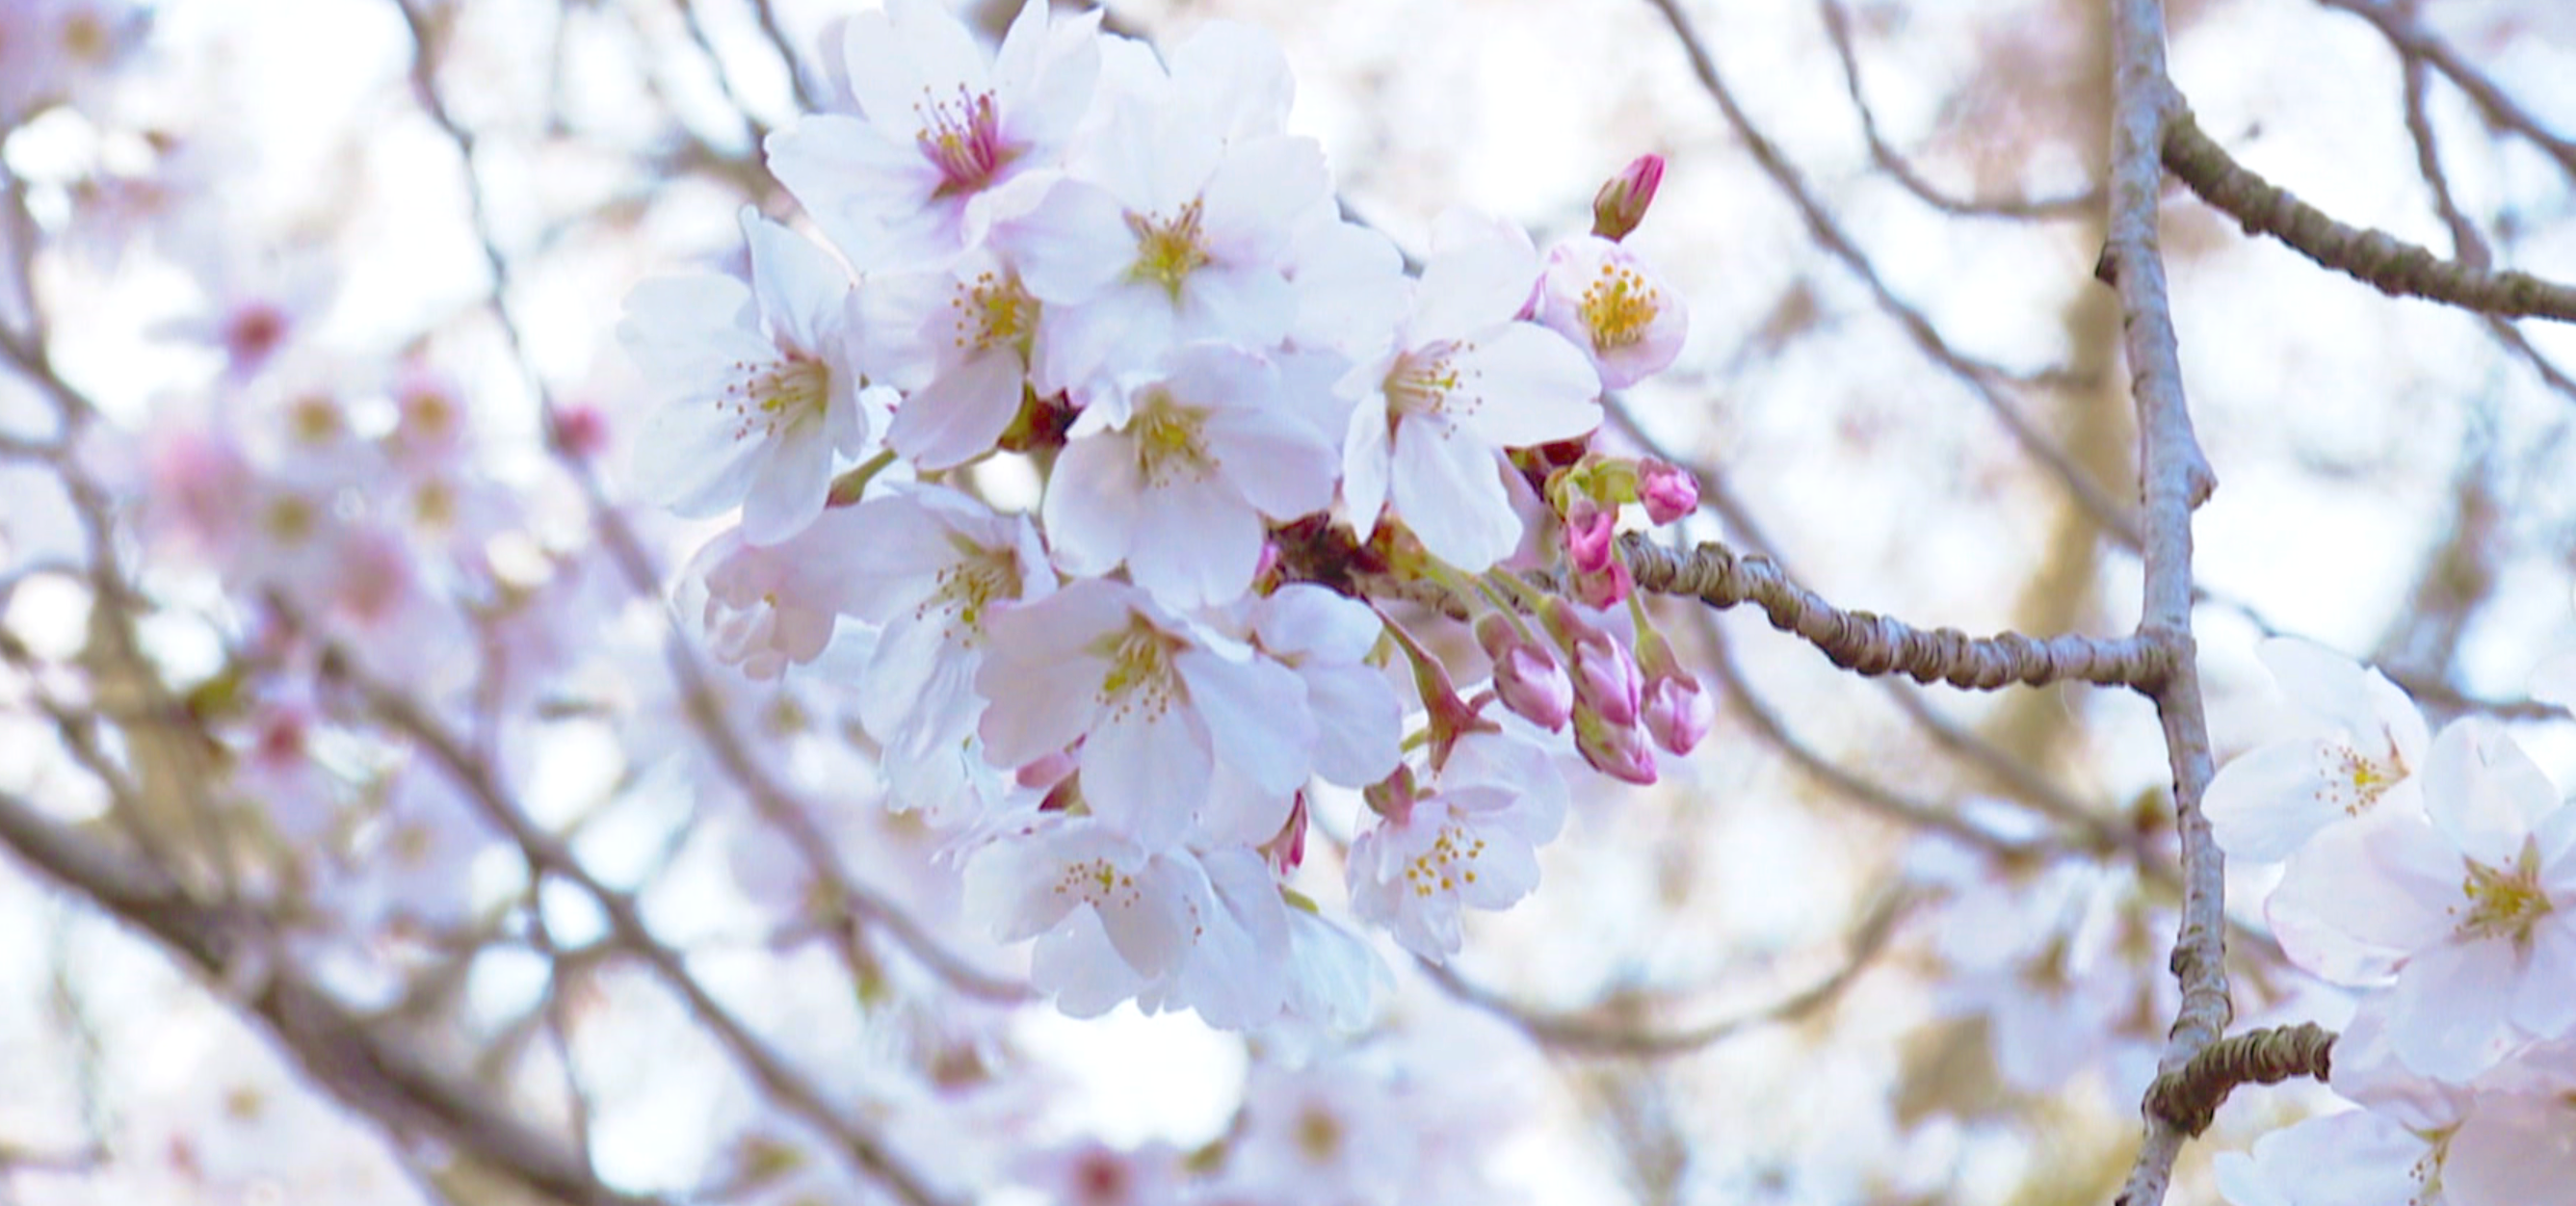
1257, 435
2434, 873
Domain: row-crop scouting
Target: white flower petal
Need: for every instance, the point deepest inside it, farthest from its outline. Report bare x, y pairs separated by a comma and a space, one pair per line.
1447, 486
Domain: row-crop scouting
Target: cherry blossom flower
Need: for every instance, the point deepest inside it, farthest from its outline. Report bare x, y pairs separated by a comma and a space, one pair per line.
2354, 1158
934, 567
962, 339
1462, 380
1325, 639
1599, 295
1176, 488
1168, 234
942, 127
1156, 704
759, 383
2470, 906
1472, 840
757, 608
1109, 916
2359, 753
1321, 1133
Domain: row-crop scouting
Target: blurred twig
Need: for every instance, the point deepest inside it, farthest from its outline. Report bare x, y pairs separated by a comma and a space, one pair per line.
366, 1069
857, 1141
1987, 381
2415, 43
1838, 31
1588, 1033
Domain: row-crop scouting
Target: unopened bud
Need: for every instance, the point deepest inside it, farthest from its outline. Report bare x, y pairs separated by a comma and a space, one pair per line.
1677, 713
1604, 672
1668, 491
1589, 527
1621, 203
1527, 677
1604, 590
1616, 750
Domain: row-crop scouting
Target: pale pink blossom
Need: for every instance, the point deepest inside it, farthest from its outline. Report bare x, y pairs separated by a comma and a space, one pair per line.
1605, 300
943, 126
2357, 753
1461, 380
1176, 488
1156, 706
760, 385
1470, 841
2469, 906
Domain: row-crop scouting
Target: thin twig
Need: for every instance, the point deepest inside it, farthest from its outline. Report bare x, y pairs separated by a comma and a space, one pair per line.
1985, 380
858, 1143
1583, 1034
1838, 31
2412, 41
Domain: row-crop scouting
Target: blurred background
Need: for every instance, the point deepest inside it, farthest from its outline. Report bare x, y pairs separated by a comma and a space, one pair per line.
353, 267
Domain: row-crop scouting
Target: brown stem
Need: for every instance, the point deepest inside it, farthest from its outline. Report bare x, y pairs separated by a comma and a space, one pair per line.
2189, 1098
2391, 265
1869, 644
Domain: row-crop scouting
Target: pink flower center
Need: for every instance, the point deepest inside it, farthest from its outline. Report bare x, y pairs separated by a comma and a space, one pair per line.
962, 136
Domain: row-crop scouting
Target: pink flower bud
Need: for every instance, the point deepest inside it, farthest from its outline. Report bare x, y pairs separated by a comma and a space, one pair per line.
1621, 203
1616, 750
1677, 714
1604, 672
1603, 590
1589, 528
1668, 491
1527, 677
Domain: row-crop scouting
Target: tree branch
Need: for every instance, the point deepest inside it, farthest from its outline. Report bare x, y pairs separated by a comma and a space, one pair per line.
2391, 265
2174, 478
1869, 644
2189, 1098
365, 1069
859, 1144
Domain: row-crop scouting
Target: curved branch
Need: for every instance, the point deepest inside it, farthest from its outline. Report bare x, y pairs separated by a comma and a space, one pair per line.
1870, 644
2391, 265
2415, 44
1838, 31
2189, 1098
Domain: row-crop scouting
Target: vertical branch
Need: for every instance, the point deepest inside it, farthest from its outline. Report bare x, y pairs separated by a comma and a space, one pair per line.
2174, 478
